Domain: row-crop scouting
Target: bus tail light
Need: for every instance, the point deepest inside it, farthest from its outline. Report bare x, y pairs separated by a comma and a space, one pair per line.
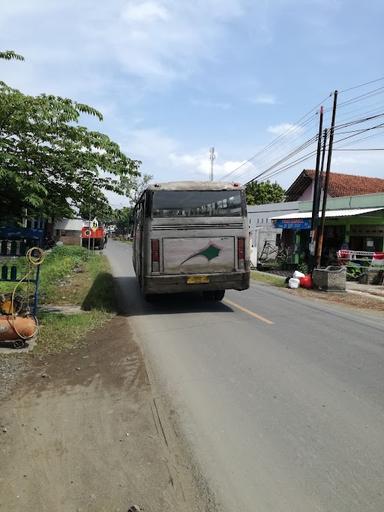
155, 255
241, 253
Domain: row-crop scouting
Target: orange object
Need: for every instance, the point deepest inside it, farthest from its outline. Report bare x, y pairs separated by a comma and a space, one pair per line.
306, 281
87, 232
16, 328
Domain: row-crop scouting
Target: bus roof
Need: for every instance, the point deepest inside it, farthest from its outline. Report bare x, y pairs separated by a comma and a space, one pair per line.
195, 185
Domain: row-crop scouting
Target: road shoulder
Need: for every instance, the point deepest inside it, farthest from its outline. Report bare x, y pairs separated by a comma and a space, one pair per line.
82, 431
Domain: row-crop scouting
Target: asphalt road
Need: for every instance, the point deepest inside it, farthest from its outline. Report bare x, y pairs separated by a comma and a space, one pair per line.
280, 399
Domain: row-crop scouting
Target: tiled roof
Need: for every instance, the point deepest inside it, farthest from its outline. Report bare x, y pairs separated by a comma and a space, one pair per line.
339, 185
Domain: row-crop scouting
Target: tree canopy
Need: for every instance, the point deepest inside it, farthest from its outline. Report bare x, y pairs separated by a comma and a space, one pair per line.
263, 193
49, 163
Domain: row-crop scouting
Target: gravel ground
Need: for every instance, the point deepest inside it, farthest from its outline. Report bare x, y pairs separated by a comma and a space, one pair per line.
11, 368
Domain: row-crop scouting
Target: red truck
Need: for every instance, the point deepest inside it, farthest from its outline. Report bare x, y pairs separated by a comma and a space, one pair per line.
94, 238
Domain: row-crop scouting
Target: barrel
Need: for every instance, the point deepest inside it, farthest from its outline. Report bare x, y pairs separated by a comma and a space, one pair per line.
16, 328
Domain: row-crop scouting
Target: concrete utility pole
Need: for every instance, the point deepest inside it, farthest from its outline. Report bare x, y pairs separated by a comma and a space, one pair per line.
315, 203
315, 207
212, 157
319, 191
319, 248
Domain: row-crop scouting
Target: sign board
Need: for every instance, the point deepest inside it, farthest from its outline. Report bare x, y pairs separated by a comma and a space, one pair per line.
94, 224
293, 223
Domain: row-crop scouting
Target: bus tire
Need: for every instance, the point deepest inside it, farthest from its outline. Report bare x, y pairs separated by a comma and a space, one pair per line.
150, 297
214, 295
218, 295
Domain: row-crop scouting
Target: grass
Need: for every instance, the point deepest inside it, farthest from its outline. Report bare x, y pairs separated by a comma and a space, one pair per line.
59, 332
268, 279
71, 276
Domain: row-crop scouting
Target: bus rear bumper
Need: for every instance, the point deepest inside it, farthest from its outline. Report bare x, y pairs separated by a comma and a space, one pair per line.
179, 284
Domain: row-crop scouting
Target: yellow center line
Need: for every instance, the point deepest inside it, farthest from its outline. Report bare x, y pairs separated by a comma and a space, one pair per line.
251, 313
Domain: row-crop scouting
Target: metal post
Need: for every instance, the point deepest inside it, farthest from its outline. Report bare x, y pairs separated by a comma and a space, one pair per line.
212, 157
327, 173
36, 294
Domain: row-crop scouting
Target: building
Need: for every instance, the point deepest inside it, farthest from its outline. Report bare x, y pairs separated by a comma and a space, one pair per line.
261, 227
68, 231
353, 222
354, 217
340, 185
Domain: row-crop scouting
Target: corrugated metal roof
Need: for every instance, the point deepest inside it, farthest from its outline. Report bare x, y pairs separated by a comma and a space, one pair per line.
329, 213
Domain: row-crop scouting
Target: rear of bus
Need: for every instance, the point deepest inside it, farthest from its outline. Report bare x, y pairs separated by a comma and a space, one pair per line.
195, 238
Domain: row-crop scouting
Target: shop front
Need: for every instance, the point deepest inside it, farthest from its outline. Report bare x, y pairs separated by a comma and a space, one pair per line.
354, 229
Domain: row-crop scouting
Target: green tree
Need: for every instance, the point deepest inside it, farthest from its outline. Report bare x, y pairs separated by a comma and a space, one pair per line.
263, 193
123, 219
49, 163
133, 186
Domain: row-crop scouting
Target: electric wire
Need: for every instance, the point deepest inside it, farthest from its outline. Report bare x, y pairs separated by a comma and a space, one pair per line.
312, 153
291, 131
361, 85
360, 149
298, 124
267, 174
346, 110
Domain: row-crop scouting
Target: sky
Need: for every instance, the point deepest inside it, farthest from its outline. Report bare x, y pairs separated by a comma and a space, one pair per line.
174, 77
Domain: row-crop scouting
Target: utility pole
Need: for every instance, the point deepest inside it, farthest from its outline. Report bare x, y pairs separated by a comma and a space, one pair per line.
319, 248
320, 187
212, 157
89, 229
315, 203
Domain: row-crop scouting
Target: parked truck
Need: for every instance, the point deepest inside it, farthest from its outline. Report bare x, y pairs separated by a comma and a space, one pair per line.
94, 238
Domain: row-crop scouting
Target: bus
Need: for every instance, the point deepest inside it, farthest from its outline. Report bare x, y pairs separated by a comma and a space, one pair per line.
191, 236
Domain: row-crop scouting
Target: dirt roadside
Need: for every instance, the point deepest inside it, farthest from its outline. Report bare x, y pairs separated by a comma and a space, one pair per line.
81, 431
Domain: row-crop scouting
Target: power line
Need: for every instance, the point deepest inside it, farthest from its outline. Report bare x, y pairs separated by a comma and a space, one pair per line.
351, 133
370, 136
362, 85
277, 167
312, 153
368, 94
278, 150
294, 127
286, 167
290, 155
360, 149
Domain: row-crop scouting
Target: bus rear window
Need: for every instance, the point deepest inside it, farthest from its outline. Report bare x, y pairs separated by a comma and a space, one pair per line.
196, 203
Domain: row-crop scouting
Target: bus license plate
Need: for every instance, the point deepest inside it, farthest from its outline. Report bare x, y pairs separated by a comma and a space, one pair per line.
197, 279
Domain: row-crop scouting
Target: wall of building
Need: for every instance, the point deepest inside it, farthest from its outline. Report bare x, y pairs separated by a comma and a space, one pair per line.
261, 227
341, 203
68, 231
308, 194
69, 224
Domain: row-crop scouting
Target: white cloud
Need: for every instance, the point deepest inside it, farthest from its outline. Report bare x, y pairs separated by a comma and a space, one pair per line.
164, 158
264, 99
80, 44
144, 12
359, 163
198, 165
149, 145
222, 105
280, 129
165, 40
